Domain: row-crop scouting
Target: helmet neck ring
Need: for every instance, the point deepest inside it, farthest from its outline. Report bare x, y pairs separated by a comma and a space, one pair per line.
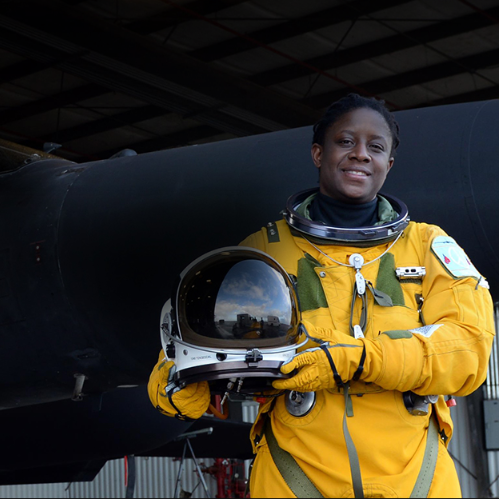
375, 234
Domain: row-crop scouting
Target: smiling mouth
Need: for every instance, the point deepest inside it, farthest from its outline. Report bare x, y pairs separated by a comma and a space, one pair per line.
357, 173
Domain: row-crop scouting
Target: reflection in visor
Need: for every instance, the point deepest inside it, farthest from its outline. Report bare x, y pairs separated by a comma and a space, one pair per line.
237, 303
253, 300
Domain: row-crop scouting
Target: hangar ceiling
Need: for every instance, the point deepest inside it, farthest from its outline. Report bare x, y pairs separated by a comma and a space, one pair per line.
95, 77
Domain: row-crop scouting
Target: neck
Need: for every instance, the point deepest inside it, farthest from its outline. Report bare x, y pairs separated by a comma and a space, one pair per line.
339, 214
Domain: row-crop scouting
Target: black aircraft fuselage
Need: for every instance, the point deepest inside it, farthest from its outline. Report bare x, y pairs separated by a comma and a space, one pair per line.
89, 253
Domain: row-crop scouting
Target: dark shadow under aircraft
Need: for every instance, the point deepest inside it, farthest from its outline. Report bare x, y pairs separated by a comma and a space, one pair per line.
89, 253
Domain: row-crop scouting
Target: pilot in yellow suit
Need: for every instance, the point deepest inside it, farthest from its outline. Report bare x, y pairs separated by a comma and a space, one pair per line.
398, 320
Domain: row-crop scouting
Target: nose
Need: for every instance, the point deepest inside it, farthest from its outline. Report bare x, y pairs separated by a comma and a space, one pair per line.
360, 153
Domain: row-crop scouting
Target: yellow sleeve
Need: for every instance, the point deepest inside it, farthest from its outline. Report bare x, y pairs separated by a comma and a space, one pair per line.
452, 356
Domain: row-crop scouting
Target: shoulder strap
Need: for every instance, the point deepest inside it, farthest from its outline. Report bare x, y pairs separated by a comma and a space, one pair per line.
301, 485
293, 475
427, 471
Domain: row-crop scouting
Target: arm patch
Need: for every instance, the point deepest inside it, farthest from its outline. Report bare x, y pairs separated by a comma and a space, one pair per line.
453, 258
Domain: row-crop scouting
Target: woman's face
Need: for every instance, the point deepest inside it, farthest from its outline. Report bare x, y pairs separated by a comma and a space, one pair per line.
355, 158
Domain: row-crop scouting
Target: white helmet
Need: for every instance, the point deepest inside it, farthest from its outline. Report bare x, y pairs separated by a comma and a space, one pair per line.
233, 317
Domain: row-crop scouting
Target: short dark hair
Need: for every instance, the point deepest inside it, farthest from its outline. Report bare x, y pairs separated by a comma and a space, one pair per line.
349, 103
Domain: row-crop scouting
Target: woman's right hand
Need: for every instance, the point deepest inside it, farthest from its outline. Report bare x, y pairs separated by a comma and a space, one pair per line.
190, 402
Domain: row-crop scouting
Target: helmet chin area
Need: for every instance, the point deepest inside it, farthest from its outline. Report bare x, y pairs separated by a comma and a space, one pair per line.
246, 375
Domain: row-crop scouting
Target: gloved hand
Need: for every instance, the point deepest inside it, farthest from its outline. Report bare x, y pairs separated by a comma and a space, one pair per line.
394, 361
321, 368
189, 402
335, 362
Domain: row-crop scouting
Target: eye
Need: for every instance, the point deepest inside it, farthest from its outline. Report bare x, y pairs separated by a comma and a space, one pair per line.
377, 147
345, 142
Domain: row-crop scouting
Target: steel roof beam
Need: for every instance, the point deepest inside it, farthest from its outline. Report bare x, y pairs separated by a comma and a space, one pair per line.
488, 93
173, 17
50, 102
419, 76
110, 80
376, 48
119, 120
20, 70
289, 29
139, 66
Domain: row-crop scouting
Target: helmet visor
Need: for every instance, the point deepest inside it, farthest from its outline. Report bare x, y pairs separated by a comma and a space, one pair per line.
237, 298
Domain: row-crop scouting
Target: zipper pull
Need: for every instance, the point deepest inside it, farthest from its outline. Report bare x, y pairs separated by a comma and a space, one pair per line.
357, 261
361, 283
357, 332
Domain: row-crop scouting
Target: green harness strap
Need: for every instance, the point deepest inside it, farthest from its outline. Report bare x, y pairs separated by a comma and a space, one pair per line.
302, 487
293, 475
425, 476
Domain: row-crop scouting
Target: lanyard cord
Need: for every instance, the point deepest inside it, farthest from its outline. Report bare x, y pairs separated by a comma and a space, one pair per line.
363, 313
358, 262
348, 264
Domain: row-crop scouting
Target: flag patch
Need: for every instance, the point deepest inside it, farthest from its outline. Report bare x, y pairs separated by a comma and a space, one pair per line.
453, 258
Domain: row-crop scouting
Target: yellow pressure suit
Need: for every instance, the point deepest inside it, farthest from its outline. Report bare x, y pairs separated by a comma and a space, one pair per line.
403, 352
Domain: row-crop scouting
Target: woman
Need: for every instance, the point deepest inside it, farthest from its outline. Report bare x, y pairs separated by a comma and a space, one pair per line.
397, 319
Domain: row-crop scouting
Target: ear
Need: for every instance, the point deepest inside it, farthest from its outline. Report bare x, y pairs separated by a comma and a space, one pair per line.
390, 164
317, 154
